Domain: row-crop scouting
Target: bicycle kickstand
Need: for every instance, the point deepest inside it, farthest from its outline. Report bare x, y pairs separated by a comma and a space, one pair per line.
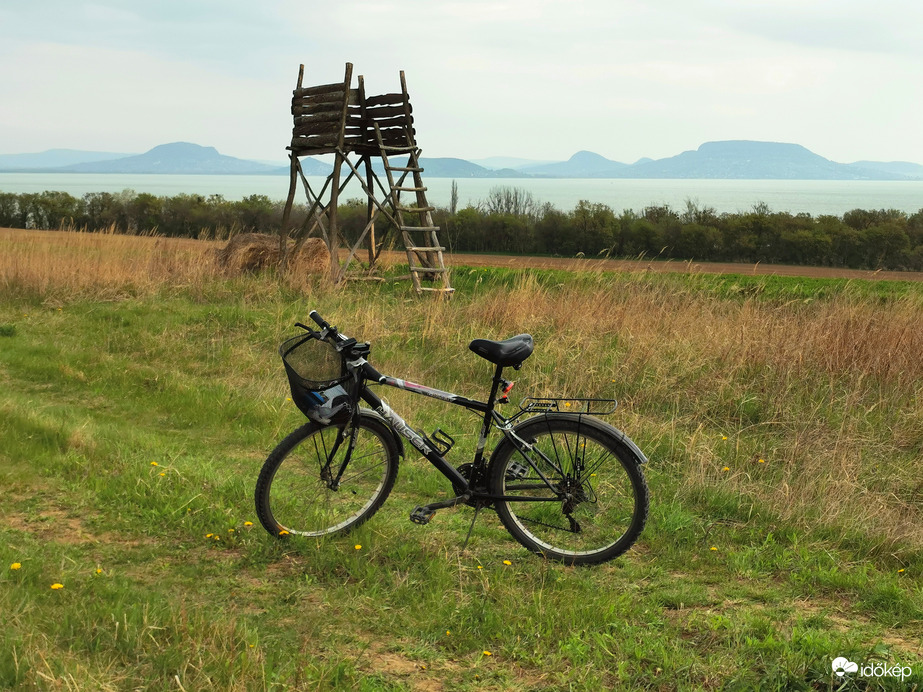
477, 509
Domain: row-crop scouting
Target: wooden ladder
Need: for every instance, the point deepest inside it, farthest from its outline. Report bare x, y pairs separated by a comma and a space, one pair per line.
424, 253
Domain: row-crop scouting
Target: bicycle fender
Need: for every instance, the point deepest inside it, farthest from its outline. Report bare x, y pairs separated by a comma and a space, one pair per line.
632, 447
398, 440
591, 421
635, 451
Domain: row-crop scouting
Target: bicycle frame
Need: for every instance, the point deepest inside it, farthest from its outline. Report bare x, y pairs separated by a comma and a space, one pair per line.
365, 373
419, 441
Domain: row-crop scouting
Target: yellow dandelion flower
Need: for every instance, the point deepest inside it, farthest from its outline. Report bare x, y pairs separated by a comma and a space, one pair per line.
726, 468
161, 474
713, 548
507, 562
209, 535
487, 653
900, 570
762, 461
283, 532
154, 463
57, 586
99, 570
358, 547
248, 523
480, 567
448, 632
17, 565
230, 530
724, 437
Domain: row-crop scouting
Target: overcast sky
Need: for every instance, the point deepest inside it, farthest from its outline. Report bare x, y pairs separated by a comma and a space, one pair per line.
535, 79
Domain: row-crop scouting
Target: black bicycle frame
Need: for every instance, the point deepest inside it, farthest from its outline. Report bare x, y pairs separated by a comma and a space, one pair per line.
420, 443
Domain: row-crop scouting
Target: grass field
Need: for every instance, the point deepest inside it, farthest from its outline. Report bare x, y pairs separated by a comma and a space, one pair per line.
140, 392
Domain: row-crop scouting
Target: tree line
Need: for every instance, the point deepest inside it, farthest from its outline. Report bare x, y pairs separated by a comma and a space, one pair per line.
510, 220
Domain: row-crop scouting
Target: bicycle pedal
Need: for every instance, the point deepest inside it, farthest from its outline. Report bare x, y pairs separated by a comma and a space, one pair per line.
422, 515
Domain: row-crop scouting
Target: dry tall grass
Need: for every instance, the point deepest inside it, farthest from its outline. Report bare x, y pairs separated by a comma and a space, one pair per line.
813, 410
64, 263
60, 264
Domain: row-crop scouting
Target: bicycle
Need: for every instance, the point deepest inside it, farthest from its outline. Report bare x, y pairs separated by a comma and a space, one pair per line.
565, 484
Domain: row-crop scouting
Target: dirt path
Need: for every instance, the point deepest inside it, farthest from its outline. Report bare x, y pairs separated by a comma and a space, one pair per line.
519, 262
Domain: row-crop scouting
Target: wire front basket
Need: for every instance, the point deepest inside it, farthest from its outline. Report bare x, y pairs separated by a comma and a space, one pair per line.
316, 372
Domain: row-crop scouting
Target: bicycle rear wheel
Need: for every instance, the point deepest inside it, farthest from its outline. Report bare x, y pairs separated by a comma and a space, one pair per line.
308, 487
578, 495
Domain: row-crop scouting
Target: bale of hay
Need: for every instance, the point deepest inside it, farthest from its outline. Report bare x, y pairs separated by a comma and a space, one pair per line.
312, 257
253, 252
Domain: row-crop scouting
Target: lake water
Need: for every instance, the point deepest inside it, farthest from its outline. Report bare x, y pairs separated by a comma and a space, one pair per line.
811, 196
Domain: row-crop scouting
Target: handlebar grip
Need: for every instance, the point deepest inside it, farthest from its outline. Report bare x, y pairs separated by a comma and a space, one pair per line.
320, 321
371, 373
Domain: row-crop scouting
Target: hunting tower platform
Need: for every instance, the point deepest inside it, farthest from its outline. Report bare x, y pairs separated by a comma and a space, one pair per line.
357, 129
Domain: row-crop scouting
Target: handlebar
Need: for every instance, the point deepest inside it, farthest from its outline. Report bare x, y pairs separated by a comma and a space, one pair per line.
368, 371
320, 321
325, 325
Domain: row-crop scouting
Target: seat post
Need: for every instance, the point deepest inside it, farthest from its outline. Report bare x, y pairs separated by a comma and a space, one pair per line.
498, 378
488, 415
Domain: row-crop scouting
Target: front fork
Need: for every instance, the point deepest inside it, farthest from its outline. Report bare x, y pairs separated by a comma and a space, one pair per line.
351, 430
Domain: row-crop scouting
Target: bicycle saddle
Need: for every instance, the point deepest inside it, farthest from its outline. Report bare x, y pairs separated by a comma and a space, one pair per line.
511, 351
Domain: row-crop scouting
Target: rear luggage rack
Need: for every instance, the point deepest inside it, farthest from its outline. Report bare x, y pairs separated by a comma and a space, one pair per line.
595, 407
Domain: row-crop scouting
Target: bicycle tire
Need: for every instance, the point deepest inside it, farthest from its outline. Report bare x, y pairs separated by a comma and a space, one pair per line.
295, 495
593, 472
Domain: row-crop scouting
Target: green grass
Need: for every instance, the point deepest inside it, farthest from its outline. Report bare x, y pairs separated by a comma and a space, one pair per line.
730, 587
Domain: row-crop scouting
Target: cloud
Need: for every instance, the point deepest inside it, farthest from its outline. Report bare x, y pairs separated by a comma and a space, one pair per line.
134, 101
532, 78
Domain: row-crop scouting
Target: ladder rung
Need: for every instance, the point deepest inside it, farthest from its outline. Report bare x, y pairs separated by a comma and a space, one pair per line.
415, 209
426, 249
404, 168
405, 148
411, 189
419, 228
437, 289
428, 270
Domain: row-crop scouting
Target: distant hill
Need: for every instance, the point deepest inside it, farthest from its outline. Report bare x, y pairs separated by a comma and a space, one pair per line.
496, 163
741, 159
905, 168
583, 164
443, 167
175, 158
53, 158
753, 160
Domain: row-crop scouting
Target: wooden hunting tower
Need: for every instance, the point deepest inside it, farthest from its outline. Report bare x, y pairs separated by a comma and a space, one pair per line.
337, 119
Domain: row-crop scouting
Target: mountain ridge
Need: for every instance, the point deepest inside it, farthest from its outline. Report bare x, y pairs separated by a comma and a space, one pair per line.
723, 159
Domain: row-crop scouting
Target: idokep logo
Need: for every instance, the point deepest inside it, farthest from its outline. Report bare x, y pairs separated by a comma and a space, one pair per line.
842, 666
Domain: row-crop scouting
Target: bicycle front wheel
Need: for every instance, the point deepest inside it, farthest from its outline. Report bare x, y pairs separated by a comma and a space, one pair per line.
575, 493
311, 485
